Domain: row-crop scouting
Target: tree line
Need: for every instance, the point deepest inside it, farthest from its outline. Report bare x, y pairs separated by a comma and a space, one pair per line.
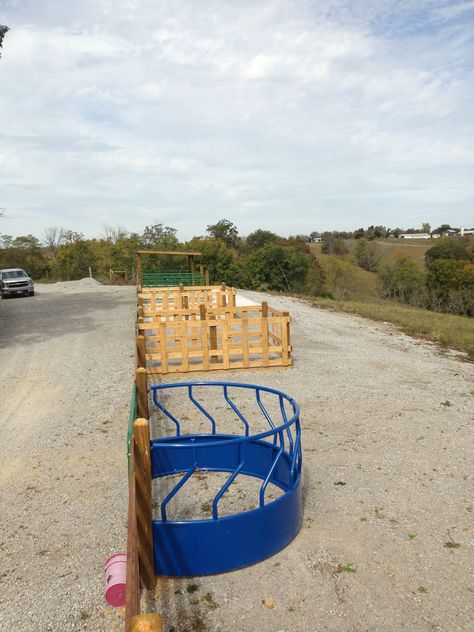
261, 261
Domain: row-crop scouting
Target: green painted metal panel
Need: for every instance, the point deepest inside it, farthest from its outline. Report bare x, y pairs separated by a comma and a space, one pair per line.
170, 278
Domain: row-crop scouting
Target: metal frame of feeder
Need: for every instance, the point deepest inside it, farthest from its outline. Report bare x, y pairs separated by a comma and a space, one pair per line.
219, 544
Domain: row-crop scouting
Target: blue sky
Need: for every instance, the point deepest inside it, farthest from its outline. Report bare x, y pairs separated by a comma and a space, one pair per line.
288, 115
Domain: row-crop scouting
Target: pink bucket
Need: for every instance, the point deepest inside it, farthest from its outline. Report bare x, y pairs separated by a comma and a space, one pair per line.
115, 573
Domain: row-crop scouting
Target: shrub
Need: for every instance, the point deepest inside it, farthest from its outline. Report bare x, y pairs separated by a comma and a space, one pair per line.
275, 267
343, 280
403, 281
366, 254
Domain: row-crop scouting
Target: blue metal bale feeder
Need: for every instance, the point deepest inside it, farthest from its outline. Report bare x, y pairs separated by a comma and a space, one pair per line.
272, 457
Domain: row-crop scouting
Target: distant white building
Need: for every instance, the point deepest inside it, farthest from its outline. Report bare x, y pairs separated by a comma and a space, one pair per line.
415, 236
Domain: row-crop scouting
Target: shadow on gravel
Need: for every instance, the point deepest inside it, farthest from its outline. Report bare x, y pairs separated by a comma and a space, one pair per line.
26, 320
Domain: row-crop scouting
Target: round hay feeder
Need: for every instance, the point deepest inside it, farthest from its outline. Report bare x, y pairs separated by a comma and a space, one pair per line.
262, 445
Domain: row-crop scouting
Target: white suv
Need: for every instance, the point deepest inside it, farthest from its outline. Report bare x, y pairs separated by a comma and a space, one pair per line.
14, 281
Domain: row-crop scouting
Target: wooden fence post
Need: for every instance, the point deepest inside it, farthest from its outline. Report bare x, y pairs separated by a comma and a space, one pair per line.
204, 340
132, 587
206, 276
151, 622
223, 295
265, 353
141, 433
142, 392
285, 338
212, 337
141, 351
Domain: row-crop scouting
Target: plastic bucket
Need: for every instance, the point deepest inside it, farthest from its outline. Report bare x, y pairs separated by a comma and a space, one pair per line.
115, 574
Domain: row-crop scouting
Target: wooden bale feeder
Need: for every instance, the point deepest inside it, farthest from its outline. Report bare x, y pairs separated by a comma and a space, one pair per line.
188, 340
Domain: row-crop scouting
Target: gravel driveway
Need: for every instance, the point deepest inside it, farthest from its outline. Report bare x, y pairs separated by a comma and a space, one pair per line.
387, 542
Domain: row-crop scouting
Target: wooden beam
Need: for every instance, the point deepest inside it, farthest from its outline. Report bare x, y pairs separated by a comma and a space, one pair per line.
141, 354
141, 433
142, 392
147, 623
132, 588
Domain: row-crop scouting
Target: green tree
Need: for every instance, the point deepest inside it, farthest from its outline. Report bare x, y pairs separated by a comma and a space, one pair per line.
276, 267
226, 231
221, 261
366, 254
404, 281
73, 260
332, 245
343, 280
260, 238
448, 248
451, 285
24, 252
159, 237
316, 278
3, 31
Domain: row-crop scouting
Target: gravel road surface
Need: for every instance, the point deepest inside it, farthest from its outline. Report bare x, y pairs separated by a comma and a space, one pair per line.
66, 369
387, 542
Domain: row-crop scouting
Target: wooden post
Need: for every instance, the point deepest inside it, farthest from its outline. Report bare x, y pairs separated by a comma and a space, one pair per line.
142, 392
245, 339
212, 337
90, 273
223, 295
265, 354
163, 346
206, 276
285, 339
151, 622
139, 273
192, 269
141, 433
111, 274
132, 588
141, 351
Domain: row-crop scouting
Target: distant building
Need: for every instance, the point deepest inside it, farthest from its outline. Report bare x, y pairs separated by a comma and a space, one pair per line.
415, 236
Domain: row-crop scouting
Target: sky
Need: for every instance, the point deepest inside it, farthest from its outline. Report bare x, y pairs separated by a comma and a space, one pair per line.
293, 116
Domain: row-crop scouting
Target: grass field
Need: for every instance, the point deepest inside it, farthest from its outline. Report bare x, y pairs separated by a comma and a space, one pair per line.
450, 331
391, 248
456, 332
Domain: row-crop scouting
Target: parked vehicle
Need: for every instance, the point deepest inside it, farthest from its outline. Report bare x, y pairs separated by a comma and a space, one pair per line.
15, 281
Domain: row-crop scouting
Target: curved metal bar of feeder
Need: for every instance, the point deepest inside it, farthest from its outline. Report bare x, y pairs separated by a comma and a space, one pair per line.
267, 479
166, 411
263, 409
285, 420
296, 453
174, 491
236, 411
224, 488
201, 408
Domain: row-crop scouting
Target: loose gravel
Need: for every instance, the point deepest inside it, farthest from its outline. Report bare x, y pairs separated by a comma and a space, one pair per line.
387, 542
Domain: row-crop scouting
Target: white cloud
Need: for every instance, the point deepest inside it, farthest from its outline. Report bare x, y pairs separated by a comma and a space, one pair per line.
145, 110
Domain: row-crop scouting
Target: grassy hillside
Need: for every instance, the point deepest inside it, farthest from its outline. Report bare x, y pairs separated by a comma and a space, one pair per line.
454, 332
391, 248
